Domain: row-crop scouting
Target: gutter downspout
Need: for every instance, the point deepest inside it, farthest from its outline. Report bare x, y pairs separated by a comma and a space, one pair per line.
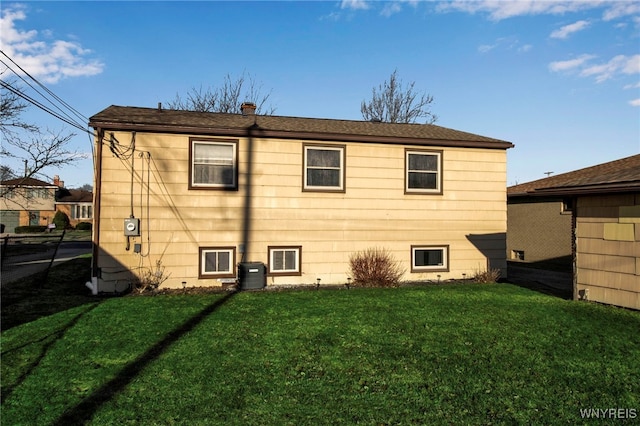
95, 274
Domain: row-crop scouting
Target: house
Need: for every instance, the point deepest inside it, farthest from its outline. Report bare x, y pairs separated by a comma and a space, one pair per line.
190, 195
77, 204
26, 201
591, 215
29, 201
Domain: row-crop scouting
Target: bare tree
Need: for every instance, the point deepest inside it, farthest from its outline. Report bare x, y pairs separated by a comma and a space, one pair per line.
25, 143
393, 102
225, 98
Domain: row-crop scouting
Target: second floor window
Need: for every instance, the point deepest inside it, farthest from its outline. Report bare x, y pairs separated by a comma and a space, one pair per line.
423, 172
214, 164
324, 168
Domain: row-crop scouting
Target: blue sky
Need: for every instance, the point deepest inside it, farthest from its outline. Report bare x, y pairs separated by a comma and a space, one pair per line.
559, 79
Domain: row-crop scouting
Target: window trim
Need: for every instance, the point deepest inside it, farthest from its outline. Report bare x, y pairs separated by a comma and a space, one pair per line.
80, 207
439, 175
297, 272
213, 275
343, 164
435, 268
215, 187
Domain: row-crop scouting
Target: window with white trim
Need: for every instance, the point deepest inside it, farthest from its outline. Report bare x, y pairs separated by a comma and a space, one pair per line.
324, 168
423, 171
214, 164
429, 258
82, 211
284, 260
217, 262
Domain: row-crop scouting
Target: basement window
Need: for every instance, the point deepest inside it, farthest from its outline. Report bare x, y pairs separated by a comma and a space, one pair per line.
284, 260
517, 254
217, 262
429, 258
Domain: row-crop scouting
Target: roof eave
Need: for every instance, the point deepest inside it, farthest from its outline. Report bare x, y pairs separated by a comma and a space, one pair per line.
282, 134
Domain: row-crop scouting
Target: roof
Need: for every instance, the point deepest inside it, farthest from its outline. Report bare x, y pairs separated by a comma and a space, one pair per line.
615, 176
74, 196
26, 181
225, 124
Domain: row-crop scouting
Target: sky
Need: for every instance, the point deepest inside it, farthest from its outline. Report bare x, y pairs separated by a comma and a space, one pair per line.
559, 79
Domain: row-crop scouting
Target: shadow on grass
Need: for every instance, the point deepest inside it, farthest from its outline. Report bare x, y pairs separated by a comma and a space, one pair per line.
82, 412
49, 340
30, 298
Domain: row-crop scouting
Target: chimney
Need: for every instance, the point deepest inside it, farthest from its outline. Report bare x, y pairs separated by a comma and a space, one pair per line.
248, 108
57, 182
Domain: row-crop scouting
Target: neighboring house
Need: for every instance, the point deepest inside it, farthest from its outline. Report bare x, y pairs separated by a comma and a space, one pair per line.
77, 204
201, 193
604, 225
26, 201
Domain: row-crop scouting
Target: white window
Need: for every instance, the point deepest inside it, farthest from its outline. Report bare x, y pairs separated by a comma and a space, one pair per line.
82, 211
423, 172
324, 168
429, 258
214, 164
217, 262
284, 260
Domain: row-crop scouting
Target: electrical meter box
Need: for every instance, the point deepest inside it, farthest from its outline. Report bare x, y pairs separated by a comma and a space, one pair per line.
132, 227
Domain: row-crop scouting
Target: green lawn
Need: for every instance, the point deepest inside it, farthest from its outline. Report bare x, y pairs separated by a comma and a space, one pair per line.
456, 354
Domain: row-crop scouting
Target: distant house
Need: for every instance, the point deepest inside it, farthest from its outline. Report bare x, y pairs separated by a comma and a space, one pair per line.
29, 201
205, 192
26, 201
592, 216
77, 204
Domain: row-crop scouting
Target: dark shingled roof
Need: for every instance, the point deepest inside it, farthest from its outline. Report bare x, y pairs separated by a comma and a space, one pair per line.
177, 121
74, 196
26, 182
615, 176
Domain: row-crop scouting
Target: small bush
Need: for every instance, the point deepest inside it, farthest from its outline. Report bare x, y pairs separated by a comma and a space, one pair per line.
31, 229
375, 267
151, 278
61, 220
84, 226
487, 276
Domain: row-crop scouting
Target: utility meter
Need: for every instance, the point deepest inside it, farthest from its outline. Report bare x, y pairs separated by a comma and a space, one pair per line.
132, 227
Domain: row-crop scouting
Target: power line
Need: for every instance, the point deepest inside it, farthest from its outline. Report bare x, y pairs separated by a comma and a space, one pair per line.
56, 97
41, 106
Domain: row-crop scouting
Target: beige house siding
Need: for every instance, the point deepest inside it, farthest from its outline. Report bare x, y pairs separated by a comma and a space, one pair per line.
608, 249
469, 216
540, 229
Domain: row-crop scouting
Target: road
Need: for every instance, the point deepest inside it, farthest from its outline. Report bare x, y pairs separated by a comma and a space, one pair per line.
17, 267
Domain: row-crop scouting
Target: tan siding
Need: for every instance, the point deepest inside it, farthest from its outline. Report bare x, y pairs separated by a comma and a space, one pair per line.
608, 259
373, 211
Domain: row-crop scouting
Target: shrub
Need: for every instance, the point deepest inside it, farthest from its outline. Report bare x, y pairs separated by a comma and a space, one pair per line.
375, 267
31, 229
486, 276
84, 226
61, 220
151, 278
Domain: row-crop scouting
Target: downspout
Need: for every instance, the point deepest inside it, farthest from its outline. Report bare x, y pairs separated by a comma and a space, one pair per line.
93, 284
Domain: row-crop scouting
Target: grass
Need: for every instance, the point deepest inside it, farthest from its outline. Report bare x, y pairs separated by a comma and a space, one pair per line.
457, 354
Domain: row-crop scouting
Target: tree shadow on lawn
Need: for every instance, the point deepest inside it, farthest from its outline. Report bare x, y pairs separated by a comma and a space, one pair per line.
82, 413
47, 341
30, 298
